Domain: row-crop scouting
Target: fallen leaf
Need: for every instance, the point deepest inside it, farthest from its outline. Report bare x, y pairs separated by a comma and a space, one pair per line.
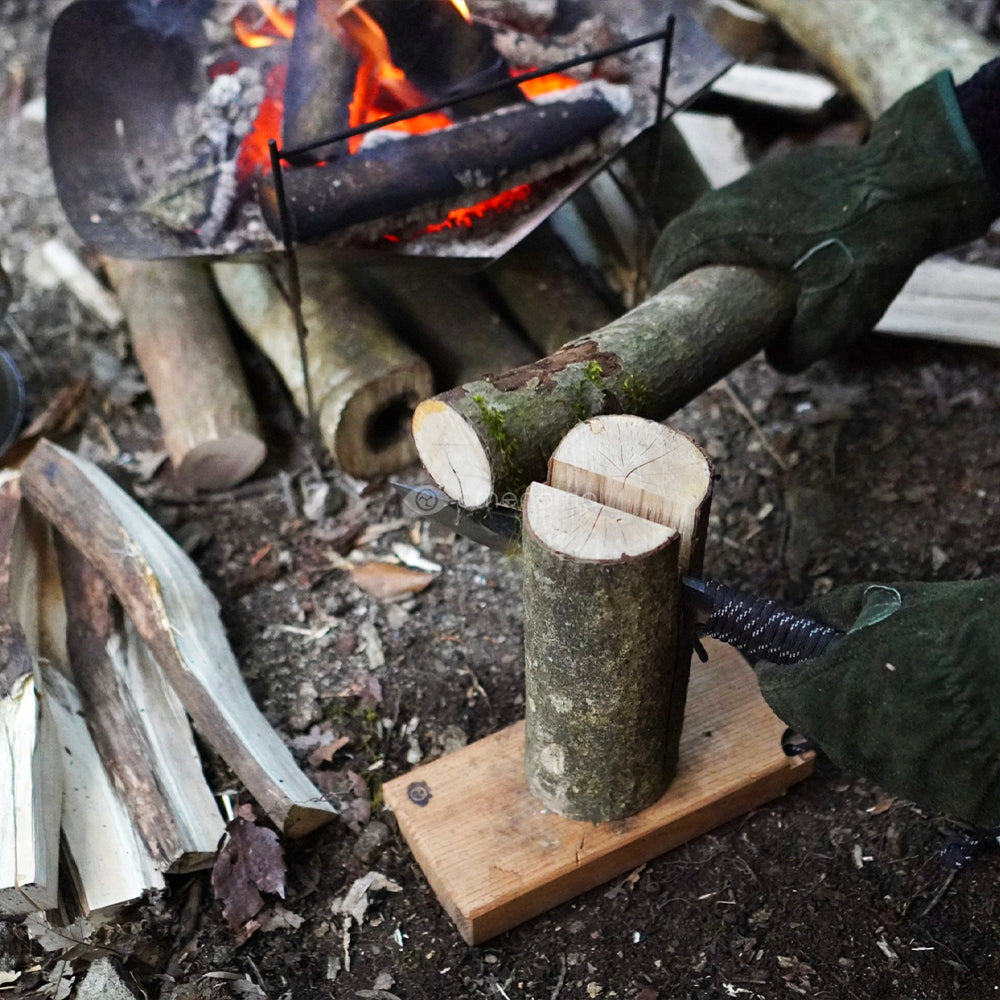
386, 580
355, 903
251, 862
348, 793
324, 754
277, 918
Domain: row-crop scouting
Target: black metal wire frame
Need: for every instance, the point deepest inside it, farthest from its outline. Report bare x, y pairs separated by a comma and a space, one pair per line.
665, 35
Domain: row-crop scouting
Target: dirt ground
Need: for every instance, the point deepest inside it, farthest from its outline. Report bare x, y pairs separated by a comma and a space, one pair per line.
882, 463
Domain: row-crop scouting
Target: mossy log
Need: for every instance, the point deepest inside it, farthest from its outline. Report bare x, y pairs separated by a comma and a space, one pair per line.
493, 436
600, 600
879, 49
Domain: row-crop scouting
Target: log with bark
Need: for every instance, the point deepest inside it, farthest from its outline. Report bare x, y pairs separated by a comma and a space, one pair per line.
623, 517
365, 382
178, 618
493, 436
179, 336
138, 724
879, 49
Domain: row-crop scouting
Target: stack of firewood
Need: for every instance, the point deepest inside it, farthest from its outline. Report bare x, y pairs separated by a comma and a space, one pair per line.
110, 642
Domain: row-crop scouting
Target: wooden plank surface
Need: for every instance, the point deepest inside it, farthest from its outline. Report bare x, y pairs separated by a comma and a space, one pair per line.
496, 857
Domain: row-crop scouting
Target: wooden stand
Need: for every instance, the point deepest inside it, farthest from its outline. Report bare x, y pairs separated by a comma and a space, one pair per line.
496, 857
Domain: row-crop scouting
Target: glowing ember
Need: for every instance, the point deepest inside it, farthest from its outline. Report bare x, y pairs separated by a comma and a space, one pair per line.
463, 218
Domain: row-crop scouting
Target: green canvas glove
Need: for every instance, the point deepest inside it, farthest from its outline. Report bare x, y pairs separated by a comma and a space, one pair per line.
850, 224
910, 697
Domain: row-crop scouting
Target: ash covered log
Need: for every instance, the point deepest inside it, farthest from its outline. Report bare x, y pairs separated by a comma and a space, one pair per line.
495, 435
178, 617
365, 382
180, 340
600, 620
138, 724
470, 160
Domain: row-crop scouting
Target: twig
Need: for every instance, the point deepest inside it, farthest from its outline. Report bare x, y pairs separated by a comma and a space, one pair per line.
562, 978
744, 411
939, 895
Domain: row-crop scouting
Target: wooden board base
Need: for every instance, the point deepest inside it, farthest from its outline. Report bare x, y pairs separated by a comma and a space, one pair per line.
496, 857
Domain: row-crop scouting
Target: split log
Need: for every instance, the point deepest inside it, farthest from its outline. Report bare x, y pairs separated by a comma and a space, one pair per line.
30, 766
447, 321
178, 617
106, 859
138, 724
547, 291
468, 161
879, 49
180, 340
495, 435
779, 89
601, 593
365, 382
653, 472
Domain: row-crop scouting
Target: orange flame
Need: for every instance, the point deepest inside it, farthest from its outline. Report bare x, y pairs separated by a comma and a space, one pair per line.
277, 25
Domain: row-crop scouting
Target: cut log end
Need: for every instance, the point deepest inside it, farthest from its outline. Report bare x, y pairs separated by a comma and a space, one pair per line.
639, 466
371, 433
223, 463
453, 453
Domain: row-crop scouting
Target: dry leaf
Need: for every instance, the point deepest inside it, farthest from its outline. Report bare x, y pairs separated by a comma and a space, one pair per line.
388, 580
348, 793
251, 862
324, 754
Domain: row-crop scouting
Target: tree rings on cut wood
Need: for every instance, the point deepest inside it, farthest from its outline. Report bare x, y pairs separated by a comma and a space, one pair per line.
600, 599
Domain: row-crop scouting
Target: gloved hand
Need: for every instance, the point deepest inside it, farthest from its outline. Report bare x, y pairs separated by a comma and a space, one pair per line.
850, 224
910, 697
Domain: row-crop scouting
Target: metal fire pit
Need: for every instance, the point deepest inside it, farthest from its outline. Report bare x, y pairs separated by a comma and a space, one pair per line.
116, 79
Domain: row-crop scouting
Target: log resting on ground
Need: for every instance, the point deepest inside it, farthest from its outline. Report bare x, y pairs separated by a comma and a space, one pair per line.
492, 437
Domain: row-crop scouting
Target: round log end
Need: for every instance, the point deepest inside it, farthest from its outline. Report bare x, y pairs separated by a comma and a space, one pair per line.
453, 453
223, 462
370, 435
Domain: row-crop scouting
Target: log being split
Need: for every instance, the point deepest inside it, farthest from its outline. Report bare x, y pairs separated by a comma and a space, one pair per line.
179, 336
493, 436
178, 617
365, 382
625, 514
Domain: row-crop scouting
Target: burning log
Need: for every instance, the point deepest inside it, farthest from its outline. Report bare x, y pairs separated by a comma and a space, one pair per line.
596, 696
472, 159
30, 766
448, 322
319, 85
495, 435
441, 52
178, 617
881, 50
138, 724
180, 340
365, 383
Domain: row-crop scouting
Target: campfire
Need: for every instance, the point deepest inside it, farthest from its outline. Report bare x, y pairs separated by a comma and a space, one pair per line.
167, 153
